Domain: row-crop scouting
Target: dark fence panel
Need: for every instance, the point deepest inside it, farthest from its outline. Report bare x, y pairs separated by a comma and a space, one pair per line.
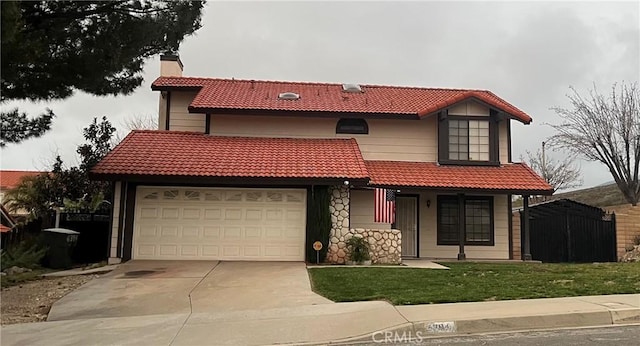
93, 241
567, 231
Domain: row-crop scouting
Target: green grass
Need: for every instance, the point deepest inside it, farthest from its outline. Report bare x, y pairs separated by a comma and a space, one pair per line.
470, 282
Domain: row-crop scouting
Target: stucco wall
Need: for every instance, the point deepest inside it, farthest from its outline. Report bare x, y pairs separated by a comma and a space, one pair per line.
179, 118
397, 140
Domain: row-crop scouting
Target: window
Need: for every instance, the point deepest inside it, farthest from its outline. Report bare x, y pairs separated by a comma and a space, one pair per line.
469, 140
352, 126
478, 220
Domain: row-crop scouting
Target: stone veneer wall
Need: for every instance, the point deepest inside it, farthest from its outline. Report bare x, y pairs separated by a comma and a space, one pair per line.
385, 245
339, 209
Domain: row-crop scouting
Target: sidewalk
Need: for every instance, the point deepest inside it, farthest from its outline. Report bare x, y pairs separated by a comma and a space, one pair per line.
331, 323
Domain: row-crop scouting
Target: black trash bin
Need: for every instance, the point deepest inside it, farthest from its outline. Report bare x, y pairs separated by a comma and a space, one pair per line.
60, 242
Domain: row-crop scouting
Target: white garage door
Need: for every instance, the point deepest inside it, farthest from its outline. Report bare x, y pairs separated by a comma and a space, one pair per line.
219, 223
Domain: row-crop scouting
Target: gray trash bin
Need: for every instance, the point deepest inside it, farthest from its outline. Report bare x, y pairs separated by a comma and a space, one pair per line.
60, 242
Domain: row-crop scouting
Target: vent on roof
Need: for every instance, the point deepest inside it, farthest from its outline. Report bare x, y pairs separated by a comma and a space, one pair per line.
351, 88
288, 96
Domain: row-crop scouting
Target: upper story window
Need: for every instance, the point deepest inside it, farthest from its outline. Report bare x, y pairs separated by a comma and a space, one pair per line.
352, 126
471, 140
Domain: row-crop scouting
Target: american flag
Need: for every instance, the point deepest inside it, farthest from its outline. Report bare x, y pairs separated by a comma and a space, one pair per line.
385, 206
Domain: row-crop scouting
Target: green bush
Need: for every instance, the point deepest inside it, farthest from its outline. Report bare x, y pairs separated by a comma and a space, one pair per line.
318, 221
358, 249
26, 254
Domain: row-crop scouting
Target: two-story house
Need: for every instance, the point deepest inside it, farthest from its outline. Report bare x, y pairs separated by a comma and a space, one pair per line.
230, 171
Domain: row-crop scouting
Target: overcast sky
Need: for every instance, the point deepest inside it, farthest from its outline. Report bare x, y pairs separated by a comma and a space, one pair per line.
528, 53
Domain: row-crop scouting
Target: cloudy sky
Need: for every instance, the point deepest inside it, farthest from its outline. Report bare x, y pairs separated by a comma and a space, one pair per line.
529, 53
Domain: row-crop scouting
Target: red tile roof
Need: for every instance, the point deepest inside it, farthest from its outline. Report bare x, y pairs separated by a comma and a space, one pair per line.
10, 179
513, 177
171, 153
226, 94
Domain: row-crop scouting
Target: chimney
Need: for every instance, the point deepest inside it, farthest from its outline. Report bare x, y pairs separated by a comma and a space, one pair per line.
170, 65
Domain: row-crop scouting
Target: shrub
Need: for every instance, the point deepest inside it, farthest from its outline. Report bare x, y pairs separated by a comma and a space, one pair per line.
636, 240
358, 249
26, 254
318, 221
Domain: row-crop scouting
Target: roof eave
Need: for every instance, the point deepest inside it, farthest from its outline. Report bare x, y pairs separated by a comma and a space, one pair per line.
499, 191
308, 113
220, 180
174, 88
524, 118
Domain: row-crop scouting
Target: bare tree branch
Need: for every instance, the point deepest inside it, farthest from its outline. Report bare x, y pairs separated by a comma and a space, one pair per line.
605, 129
561, 174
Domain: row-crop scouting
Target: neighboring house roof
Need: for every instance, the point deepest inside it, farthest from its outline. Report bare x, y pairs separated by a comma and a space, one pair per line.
10, 179
509, 177
188, 154
229, 95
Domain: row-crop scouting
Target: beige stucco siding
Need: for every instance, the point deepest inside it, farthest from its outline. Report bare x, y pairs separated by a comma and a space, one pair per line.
113, 251
428, 232
179, 118
397, 140
362, 210
469, 108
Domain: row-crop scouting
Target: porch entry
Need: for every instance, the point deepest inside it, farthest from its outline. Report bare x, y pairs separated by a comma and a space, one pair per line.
407, 223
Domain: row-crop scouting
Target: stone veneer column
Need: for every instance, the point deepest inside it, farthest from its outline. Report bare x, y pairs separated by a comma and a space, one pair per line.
339, 209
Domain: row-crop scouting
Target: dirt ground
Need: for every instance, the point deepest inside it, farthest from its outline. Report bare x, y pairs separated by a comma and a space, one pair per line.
31, 301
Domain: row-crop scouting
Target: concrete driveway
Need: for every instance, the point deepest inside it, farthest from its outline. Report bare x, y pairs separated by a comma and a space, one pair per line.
139, 288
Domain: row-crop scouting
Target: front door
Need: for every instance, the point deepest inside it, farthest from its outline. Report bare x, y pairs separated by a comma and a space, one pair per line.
407, 223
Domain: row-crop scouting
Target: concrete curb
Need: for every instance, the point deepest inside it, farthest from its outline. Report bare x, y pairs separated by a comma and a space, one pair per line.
80, 271
429, 329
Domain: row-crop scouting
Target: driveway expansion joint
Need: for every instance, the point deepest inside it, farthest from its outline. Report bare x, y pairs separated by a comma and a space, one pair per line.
184, 323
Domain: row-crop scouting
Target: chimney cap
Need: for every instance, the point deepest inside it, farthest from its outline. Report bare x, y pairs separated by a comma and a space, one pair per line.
171, 57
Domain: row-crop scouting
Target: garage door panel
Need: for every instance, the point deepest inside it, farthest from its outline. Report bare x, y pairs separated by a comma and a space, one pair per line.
232, 214
191, 213
189, 251
149, 213
211, 232
231, 233
169, 231
191, 231
217, 223
170, 213
273, 215
253, 214
213, 214
146, 250
211, 251
253, 232
168, 250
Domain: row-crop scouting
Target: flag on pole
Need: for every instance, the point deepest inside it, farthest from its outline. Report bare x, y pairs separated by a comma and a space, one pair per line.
385, 206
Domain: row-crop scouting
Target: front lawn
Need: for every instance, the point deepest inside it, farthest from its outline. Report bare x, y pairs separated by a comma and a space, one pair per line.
470, 282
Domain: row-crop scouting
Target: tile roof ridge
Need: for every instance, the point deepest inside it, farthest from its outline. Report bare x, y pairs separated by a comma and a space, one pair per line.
199, 134
272, 81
